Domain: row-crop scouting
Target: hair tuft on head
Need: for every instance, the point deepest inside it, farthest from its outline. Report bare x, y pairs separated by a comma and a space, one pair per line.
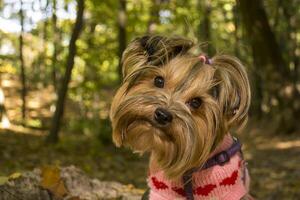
153, 50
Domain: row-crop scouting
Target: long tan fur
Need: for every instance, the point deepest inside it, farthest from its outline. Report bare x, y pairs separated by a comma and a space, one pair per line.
222, 86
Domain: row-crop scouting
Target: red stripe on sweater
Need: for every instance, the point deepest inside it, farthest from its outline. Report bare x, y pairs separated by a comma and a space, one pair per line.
230, 180
205, 190
159, 184
179, 191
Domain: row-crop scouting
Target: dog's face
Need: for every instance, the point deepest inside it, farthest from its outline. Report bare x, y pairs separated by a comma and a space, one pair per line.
175, 106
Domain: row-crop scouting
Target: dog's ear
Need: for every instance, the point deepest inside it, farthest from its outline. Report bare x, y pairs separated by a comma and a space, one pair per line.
150, 44
233, 91
117, 134
161, 49
133, 56
154, 50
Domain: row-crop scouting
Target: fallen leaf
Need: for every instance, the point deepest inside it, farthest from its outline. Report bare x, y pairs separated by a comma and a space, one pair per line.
52, 181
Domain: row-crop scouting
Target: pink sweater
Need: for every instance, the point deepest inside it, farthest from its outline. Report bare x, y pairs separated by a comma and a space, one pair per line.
214, 183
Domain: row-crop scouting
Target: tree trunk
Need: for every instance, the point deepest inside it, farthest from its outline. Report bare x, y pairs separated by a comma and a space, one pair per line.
236, 21
44, 51
55, 127
39, 71
267, 56
55, 43
204, 25
22, 65
266, 50
122, 33
293, 46
270, 64
154, 16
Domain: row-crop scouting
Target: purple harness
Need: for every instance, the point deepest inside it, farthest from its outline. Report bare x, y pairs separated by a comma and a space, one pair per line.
219, 159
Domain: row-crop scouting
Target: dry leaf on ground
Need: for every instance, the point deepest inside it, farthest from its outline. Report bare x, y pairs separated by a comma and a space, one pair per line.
52, 181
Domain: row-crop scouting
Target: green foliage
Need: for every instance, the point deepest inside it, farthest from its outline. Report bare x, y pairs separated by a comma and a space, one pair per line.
216, 25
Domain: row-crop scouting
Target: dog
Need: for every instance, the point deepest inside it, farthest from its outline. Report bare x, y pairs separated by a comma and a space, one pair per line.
181, 106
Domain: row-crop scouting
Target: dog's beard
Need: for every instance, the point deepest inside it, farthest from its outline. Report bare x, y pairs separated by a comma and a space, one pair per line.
183, 144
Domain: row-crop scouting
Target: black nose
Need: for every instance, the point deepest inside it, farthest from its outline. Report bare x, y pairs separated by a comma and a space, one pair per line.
162, 116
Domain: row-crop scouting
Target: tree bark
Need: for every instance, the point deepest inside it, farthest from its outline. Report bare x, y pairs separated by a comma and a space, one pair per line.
265, 48
271, 69
154, 16
59, 111
204, 25
2, 107
55, 43
122, 33
293, 46
22, 65
267, 56
236, 21
44, 51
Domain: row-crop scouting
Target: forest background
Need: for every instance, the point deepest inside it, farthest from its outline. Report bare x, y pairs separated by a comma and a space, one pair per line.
59, 68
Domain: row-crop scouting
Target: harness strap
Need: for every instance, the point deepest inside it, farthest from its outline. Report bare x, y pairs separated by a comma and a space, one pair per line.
188, 186
218, 159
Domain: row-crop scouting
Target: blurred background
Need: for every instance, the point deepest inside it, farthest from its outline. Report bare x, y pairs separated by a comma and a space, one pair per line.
59, 68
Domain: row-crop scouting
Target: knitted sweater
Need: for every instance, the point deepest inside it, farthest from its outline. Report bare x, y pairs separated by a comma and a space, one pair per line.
225, 182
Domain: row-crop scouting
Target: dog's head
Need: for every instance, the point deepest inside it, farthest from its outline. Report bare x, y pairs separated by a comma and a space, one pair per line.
174, 105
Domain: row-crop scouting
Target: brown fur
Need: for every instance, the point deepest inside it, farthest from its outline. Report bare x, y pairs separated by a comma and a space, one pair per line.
186, 142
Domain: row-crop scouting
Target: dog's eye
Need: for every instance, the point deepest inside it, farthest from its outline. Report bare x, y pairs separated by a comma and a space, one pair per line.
159, 82
195, 103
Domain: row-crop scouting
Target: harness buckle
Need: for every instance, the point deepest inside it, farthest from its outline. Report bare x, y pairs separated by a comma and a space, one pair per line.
222, 158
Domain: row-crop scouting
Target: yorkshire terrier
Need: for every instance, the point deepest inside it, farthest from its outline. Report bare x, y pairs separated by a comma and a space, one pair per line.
180, 107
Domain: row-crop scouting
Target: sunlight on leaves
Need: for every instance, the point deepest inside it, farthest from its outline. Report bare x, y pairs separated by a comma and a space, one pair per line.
288, 144
15, 175
5, 123
5, 179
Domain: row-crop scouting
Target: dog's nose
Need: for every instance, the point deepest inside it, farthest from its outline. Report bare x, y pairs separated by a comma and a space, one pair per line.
162, 116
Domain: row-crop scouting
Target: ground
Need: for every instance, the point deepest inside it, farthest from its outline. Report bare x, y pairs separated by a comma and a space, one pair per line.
273, 158
273, 163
